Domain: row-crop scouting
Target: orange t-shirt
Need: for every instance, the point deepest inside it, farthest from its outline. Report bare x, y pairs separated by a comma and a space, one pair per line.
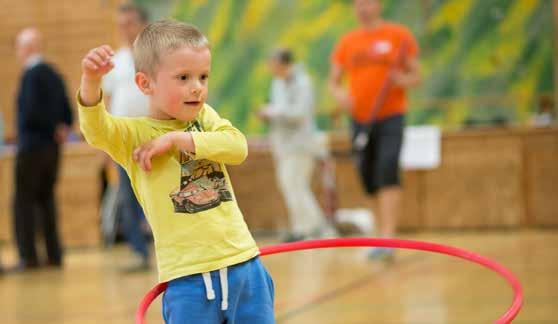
368, 56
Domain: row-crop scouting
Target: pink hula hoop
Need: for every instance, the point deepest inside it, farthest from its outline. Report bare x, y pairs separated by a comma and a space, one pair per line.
510, 314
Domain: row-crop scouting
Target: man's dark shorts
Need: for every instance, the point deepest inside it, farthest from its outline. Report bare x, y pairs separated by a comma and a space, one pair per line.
378, 160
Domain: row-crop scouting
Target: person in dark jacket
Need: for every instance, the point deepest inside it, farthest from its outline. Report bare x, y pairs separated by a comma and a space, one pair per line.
44, 117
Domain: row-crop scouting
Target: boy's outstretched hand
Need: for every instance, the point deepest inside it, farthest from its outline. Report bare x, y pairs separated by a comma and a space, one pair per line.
96, 63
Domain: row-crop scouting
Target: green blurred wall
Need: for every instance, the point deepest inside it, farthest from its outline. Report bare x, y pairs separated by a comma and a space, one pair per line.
481, 58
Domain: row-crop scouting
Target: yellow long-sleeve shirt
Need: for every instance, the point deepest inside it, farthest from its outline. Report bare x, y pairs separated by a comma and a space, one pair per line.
189, 202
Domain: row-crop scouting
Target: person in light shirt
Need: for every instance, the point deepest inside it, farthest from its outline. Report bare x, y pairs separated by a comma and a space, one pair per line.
126, 100
295, 145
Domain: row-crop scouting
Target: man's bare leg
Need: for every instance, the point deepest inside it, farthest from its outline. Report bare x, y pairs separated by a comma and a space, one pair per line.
388, 206
389, 203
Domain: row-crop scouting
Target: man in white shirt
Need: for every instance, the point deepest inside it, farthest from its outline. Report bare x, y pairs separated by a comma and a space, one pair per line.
126, 100
295, 145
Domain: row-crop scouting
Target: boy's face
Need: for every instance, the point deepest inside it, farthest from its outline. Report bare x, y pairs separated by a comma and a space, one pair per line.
179, 89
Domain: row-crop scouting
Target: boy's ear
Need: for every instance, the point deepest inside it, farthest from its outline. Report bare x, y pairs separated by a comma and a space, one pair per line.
144, 83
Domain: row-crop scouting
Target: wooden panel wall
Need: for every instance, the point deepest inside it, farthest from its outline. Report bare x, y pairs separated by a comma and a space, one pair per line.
77, 195
478, 184
497, 178
541, 178
70, 28
488, 179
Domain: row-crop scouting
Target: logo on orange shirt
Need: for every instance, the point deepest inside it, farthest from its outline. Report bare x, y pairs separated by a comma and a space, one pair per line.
381, 47
377, 53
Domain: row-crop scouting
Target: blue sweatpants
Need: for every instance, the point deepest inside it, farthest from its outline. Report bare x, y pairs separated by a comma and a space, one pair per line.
242, 293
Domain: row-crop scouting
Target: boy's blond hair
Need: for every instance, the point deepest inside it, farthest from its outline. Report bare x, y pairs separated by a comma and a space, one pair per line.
161, 37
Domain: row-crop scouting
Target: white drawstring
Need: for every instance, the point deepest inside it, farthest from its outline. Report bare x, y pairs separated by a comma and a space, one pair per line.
223, 277
208, 286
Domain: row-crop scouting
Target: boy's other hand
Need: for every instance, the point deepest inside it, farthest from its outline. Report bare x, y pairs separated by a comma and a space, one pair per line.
97, 62
159, 146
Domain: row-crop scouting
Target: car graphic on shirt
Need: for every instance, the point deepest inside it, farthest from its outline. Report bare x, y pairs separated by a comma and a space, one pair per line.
194, 198
203, 186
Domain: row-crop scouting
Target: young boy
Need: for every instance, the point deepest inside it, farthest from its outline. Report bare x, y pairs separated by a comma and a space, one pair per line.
175, 159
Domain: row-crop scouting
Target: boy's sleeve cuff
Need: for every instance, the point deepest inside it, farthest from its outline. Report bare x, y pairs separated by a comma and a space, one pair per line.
99, 104
200, 144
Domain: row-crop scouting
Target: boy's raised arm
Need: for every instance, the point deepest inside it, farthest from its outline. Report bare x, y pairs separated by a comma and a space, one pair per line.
99, 128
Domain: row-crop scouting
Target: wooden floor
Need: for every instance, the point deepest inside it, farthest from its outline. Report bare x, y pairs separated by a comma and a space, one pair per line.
326, 286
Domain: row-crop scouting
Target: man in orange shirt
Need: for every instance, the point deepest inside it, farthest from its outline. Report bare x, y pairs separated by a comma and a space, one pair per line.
380, 60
